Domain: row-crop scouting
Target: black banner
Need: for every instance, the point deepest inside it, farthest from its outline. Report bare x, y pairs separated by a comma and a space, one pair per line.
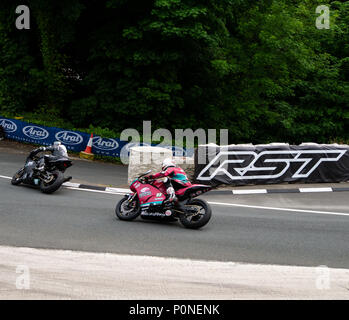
268, 164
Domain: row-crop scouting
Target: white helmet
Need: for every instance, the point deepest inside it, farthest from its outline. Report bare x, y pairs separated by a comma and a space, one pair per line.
57, 143
60, 149
168, 162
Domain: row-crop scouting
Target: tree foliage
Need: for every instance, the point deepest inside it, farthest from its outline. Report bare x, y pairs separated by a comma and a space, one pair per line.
258, 68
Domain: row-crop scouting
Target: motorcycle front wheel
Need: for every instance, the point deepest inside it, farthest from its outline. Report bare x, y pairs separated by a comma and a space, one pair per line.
17, 178
126, 212
200, 218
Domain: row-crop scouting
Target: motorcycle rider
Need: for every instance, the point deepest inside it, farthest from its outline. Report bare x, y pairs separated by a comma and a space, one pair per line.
175, 178
57, 150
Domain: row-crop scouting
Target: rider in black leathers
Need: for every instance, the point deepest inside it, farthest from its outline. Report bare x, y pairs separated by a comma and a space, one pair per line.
57, 150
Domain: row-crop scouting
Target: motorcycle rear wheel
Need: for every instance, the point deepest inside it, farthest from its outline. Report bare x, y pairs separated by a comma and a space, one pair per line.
199, 220
54, 185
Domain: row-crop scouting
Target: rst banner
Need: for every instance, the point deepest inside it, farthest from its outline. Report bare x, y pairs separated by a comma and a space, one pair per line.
74, 140
268, 164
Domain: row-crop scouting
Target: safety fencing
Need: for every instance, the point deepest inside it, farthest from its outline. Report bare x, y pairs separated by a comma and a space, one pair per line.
214, 165
74, 140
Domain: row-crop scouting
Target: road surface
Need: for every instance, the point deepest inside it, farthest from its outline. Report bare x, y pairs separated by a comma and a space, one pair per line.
288, 236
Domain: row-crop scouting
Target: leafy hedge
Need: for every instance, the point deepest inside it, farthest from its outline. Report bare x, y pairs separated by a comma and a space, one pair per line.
258, 68
46, 120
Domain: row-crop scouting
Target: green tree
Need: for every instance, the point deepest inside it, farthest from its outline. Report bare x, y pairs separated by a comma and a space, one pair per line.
259, 68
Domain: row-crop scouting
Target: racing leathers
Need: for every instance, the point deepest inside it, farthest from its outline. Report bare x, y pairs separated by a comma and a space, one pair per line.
56, 150
175, 179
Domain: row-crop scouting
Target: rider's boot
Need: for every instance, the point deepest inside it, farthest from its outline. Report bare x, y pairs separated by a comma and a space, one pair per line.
173, 200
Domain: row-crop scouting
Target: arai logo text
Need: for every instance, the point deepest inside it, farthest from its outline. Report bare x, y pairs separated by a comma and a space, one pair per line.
8, 125
35, 132
69, 137
105, 143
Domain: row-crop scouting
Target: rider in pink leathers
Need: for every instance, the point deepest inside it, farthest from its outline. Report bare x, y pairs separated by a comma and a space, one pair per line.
175, 179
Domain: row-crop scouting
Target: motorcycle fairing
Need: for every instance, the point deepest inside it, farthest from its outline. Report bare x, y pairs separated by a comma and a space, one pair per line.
148, 194
193, 191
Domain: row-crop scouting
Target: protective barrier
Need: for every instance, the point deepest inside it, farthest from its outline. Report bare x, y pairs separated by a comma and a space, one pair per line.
143, 159
272, 163
74, 140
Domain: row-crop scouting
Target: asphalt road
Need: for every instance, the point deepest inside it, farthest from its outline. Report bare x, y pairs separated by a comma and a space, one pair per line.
81, 220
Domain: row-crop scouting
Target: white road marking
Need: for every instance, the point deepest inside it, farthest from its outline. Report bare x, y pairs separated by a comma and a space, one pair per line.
279, 209
254, 191
315, 189
96, 191
71, 184
119, 191
239, 205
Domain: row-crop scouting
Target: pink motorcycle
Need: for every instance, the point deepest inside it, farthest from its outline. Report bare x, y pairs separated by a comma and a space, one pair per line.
148, 199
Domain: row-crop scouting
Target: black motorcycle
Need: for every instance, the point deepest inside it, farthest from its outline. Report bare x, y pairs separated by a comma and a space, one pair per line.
46, 172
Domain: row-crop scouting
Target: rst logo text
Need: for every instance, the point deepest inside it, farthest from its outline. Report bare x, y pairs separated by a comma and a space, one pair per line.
249, 165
